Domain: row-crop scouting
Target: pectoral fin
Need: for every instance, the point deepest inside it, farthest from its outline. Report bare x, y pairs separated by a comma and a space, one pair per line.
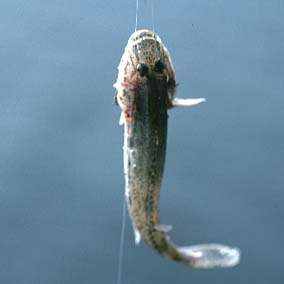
121, 120
177, 102
163, 228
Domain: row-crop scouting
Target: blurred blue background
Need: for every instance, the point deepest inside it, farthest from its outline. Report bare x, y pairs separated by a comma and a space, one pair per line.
61, 170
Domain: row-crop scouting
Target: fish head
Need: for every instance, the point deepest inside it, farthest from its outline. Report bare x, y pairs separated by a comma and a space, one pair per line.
146, 52
145, 55
145, 58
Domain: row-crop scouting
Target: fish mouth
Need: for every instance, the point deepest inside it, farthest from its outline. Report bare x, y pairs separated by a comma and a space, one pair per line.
140, 35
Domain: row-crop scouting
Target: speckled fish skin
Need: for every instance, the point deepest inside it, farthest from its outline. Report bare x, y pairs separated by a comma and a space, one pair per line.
144, 102
145, 91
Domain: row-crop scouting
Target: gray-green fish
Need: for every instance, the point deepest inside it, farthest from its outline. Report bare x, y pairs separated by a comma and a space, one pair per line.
145, 91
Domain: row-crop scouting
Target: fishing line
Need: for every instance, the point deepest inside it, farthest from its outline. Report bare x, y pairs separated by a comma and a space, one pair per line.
121, 244
136, 18
152, 15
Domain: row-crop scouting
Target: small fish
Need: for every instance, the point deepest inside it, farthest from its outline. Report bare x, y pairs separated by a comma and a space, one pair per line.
145, 91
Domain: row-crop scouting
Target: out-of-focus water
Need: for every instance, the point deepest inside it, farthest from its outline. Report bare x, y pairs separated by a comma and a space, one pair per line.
61, 173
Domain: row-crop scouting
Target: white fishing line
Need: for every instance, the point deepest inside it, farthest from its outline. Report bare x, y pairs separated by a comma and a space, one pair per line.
153, 14
121, 244
136, 17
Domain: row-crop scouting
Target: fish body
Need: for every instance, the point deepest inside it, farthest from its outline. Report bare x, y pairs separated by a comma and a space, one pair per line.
145, 91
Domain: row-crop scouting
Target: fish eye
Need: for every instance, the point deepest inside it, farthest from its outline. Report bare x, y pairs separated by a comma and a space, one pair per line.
142, 69
159, 66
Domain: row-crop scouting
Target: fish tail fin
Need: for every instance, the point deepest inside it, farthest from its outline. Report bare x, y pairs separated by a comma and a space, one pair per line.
210, 255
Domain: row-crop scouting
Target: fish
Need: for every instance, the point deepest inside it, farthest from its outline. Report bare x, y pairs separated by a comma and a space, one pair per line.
146, 92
